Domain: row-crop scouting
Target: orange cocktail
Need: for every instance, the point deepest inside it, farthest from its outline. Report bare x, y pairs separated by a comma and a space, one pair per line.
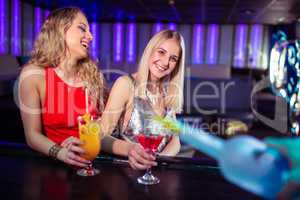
89, 133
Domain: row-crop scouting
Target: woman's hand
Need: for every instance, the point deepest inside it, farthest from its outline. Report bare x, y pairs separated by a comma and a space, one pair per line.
139, 158
71, 151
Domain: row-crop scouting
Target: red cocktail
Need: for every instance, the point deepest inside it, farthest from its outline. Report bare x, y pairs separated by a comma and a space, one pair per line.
150, 143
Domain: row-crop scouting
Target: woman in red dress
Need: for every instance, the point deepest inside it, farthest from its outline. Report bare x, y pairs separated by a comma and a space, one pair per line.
59, 83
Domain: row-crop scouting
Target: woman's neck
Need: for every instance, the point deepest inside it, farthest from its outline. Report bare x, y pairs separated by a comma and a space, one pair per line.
68, 71
153, 85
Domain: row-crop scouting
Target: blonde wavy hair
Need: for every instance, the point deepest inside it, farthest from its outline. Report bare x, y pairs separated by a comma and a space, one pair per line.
175, 82
50, 48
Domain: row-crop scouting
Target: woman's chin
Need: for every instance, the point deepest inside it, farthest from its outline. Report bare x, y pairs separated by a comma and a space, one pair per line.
82, 56
158, 77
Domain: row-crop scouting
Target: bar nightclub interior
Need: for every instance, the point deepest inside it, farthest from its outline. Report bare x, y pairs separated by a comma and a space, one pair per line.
233, 135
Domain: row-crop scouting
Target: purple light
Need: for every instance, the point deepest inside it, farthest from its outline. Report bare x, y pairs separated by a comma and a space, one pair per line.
157, 27
16, 28
265, 49
256, 41
131, 39
172, 26
95, 44
240, 45
3, 50
118, 43
198, 36
46, 14
212, 44
37, 21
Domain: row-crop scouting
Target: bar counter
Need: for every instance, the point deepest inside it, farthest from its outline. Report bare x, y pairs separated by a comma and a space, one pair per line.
25, 174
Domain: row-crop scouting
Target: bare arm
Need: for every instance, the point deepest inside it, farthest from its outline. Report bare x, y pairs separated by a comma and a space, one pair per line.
31, 78
172, 148
30, 101
119, 97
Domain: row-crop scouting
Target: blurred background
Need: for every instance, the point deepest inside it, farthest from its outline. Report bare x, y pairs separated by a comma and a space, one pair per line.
228, 46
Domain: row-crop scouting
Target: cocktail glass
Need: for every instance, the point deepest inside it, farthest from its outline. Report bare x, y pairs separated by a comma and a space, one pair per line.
89, 133
150, 141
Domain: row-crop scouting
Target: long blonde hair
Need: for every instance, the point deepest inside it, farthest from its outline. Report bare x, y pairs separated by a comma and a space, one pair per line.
174, 86
50, 48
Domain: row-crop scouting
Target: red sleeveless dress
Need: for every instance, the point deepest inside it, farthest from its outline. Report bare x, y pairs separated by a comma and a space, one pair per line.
62, 106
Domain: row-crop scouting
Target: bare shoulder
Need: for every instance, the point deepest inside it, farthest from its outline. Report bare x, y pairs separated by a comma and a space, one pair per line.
123, 82
32, 74
122, 89
31, 69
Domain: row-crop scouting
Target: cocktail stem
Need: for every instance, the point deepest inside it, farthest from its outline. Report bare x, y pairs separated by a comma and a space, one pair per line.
148, 171
89, 169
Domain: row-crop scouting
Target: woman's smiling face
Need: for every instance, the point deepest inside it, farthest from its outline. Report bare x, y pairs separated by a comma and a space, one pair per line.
164, 59
78, 37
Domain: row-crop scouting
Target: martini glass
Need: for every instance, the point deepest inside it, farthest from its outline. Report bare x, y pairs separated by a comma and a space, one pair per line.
150, 139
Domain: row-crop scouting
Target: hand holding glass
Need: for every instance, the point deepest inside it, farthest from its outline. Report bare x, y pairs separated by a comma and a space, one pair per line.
150, 139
